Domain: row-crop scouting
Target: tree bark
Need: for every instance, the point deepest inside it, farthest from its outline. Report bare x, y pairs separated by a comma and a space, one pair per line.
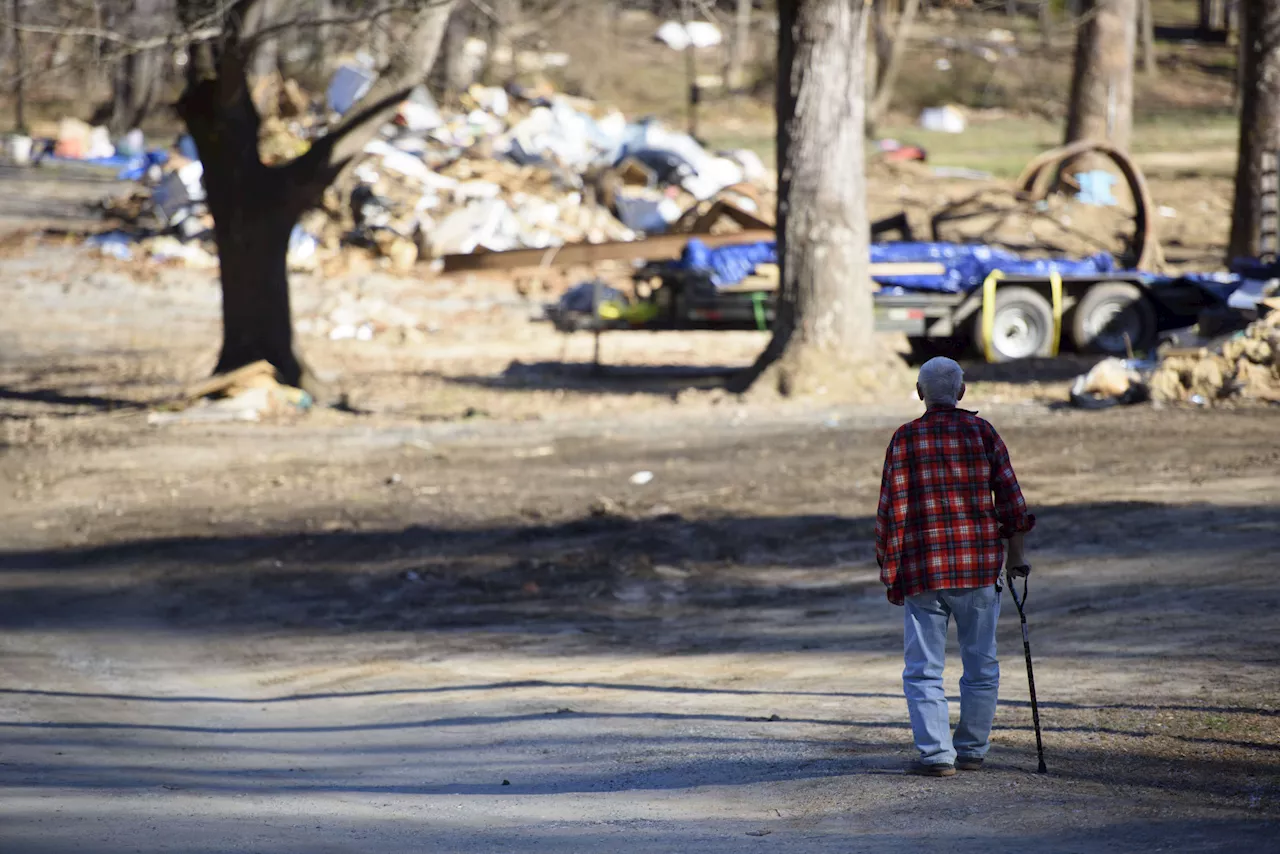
824, 319
1101, 103
20, 69
255, 206
740, 49
138, 76
1149, 66
891, 64
1259, 123
266, 59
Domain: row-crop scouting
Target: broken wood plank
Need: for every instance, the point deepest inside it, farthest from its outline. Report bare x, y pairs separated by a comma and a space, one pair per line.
222, 382
658, 248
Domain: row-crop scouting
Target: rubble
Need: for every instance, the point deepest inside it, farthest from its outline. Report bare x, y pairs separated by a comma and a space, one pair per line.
507, 169
245, 394
1245, 365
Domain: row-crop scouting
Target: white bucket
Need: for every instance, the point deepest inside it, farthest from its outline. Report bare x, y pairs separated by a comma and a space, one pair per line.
20, 150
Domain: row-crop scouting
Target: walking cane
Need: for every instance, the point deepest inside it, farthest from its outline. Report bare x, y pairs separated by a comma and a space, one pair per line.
1026, 647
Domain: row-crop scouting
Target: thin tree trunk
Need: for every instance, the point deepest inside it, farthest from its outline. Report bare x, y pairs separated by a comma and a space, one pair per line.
1259, 122
1046, 23
1101, 103
888, 73
740, 50
690, 73
1149, 65
502, 50
266, 61
139, 75
20, 67
824, 317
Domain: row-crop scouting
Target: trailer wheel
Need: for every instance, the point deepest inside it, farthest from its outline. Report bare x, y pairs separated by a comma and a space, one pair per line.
1109, 311
1023, 326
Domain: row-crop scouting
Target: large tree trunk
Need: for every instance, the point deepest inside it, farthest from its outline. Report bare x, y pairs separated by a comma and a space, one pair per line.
254, 209
255, 206
1101, 104
824, 322
1259, 123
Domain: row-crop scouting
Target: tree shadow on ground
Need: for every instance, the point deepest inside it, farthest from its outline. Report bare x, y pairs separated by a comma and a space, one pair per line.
670, 380
603, 579
589, 378
56, 397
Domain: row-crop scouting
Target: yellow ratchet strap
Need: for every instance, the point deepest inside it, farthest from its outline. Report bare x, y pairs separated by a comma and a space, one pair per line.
989, 312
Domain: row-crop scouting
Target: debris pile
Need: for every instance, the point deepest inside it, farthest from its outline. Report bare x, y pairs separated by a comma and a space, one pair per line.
1246, 365
245, 394
510, 168
964, 206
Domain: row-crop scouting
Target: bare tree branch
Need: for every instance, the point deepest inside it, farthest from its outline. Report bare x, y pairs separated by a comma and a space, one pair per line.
333, 154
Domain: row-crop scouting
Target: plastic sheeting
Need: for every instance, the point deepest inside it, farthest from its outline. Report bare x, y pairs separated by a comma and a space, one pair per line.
966, 266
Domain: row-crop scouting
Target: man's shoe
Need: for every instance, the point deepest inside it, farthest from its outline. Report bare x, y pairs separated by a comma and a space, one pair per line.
939, 769
969, 763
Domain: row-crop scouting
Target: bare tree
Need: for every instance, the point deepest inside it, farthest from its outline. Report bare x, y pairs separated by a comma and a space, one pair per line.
255, 206
824, 319
1101, 103
19, 60
1149, 66
739, 48
1259, 123
890, 49
139, 74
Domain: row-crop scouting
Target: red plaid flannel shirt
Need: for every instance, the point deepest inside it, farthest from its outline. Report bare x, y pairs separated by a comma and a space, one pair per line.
947, 498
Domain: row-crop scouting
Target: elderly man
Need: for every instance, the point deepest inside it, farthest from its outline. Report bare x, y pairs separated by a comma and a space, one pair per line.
948, 500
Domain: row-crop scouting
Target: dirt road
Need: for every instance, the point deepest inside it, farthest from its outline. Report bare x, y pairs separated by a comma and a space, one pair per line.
402, 631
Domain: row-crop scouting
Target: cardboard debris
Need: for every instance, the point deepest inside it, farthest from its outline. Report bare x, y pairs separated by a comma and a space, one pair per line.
1247, 365
245, 394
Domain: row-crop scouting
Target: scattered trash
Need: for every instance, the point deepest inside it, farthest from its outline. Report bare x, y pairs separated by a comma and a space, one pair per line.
514, 168
946, 119
698, 34
1111, 382
245, 394
18, 148
114, 244
641, 478
1095, 188
349, 83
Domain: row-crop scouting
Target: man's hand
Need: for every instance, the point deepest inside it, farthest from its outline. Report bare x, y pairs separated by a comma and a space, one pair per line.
1016, 562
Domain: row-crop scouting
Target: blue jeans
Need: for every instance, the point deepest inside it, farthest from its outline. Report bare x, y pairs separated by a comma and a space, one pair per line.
927, 615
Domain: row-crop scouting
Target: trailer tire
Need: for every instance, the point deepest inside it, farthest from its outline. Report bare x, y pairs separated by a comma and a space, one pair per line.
1023, 326
1108, 311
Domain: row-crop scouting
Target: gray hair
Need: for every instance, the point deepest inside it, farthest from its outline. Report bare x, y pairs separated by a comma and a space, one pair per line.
940, 381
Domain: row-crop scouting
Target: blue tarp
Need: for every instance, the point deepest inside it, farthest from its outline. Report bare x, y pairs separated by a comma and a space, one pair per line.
966, 266
131, 168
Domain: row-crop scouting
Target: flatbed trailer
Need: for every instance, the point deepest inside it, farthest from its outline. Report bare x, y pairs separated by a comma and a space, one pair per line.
1025, 317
